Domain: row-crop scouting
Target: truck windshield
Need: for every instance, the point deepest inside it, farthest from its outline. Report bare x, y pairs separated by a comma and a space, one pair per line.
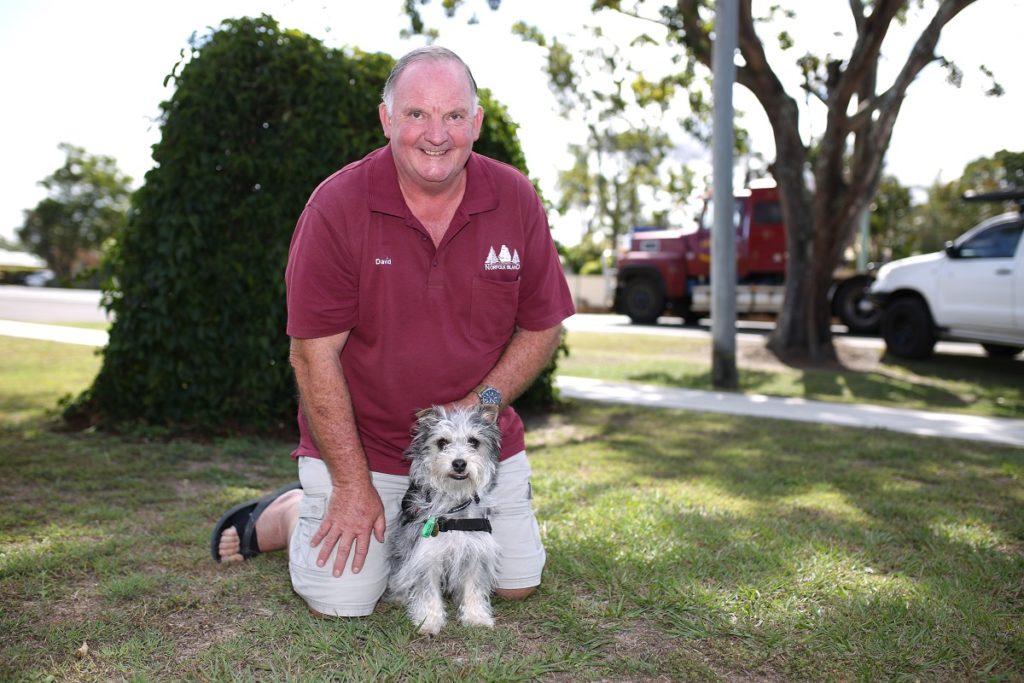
707, 219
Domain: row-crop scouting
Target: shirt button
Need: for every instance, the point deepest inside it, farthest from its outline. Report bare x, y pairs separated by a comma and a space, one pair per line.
435, 264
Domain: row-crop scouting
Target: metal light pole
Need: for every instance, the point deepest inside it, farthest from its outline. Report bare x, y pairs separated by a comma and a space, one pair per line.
723, 235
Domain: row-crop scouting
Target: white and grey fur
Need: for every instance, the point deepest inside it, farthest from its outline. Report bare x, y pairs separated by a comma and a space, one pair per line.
454, 457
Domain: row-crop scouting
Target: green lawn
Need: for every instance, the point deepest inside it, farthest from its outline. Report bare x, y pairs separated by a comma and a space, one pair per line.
968, 384
681, 546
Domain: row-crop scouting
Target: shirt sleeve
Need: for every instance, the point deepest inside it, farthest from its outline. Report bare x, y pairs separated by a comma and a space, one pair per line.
321, 279
544, 300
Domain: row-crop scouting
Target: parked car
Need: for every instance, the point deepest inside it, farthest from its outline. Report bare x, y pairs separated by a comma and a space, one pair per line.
971, 291
40, 278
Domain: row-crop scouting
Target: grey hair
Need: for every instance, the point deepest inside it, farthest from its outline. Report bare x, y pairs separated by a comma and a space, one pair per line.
422, 54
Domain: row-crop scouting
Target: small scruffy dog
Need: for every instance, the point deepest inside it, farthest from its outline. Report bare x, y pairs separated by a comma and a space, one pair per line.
444, 542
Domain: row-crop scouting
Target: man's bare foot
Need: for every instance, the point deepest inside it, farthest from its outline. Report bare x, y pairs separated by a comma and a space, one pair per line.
230, 546
274, 514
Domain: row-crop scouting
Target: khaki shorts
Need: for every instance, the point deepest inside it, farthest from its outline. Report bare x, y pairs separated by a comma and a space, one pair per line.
355, 595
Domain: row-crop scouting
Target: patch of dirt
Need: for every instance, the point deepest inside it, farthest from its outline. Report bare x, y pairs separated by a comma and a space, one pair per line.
642, 640
849, 357
553, 429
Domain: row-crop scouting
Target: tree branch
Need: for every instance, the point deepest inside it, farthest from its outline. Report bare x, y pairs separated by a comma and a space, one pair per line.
756, 74
857, 8
871, 33
922, 54
879, 132
633, 14
817, 93
694, 33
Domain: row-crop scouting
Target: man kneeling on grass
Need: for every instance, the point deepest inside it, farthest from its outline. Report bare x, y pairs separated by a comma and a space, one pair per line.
423, 274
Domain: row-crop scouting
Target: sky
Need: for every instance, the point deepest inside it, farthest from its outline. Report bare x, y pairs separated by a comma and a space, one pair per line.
91, 73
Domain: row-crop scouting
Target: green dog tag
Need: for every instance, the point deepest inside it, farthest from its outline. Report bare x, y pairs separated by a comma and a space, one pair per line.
429, 527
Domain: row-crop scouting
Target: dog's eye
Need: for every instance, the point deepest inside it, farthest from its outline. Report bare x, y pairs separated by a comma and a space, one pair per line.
442, 444
475, 443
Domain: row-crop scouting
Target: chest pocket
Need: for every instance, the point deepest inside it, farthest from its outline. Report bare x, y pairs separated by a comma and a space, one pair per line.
493, 310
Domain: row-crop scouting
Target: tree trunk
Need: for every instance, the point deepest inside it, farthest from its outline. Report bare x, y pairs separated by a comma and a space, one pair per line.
819, 228
799, 330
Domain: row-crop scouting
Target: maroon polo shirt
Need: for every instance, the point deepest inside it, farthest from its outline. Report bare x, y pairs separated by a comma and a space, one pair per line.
426, 324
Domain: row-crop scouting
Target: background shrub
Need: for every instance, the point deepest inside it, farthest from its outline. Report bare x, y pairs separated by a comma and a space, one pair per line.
259, 117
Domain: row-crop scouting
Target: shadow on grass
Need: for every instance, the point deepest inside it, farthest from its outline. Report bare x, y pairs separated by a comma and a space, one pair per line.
680, 546
823, 385
795, 543
1004, 376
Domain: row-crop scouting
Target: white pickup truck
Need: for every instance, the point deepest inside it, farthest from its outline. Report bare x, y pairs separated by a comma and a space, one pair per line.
972, 291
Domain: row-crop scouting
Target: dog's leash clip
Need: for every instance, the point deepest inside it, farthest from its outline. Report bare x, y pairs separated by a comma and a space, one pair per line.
429, 527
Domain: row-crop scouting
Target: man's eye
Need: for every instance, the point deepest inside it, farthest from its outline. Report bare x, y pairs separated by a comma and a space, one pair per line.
442, 444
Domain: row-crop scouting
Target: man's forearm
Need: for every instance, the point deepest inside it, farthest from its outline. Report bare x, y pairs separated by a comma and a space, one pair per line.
354, 514
524, 358
327, 407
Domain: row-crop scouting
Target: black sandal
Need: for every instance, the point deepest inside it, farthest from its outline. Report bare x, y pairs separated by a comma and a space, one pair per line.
243, 518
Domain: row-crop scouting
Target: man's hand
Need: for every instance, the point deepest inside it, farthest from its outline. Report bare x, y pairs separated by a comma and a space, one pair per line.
354, 513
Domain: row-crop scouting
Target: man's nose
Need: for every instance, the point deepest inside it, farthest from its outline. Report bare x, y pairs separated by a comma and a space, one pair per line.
436, 132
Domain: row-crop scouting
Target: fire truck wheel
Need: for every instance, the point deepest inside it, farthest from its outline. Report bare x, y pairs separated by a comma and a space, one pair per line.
907, 329
644, 301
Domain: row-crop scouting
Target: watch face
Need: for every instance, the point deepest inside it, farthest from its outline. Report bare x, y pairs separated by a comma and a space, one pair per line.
490, 396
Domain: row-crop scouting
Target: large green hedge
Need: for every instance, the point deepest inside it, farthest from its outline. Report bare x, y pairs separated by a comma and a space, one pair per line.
259, 117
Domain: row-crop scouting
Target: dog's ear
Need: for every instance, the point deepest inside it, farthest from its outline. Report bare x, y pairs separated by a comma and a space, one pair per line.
426, 419
489, 412
436, 411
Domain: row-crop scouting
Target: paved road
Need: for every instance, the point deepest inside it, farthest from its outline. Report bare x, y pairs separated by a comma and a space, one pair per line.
50, 305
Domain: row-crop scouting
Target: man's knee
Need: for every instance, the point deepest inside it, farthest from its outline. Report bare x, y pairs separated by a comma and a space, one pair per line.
514, 593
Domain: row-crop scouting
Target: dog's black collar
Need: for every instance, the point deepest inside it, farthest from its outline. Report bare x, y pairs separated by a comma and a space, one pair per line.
475, 524
435, 525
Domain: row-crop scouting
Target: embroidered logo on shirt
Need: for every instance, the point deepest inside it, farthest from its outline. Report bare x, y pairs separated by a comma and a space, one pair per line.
503, 260
386, 261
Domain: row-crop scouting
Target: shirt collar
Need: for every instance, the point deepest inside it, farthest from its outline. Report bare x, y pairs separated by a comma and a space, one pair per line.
385, 196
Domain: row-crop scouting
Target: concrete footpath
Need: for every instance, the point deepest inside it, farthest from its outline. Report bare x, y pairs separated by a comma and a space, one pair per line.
923, 423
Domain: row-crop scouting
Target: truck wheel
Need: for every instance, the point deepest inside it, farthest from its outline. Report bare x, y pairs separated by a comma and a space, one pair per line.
644, 301
907, 329
851, 304
1001, 350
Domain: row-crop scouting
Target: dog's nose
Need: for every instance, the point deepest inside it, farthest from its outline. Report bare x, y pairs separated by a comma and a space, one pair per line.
458, 466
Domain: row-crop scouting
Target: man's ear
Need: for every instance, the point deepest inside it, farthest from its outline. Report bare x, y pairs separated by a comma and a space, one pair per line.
385, 119
478, 121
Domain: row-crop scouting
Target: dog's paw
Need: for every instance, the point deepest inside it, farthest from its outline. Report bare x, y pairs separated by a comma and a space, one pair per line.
431, 627
476, 618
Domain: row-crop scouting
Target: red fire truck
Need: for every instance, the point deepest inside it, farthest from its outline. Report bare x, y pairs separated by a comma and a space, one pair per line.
669, 271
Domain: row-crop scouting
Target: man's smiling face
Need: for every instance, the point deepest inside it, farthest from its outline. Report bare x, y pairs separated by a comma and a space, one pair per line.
432, 125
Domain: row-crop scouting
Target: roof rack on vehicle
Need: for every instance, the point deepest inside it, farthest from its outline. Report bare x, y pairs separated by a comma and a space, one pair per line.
1014, 195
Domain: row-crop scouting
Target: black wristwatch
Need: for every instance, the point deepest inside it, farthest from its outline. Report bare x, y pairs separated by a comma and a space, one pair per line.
488, 395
